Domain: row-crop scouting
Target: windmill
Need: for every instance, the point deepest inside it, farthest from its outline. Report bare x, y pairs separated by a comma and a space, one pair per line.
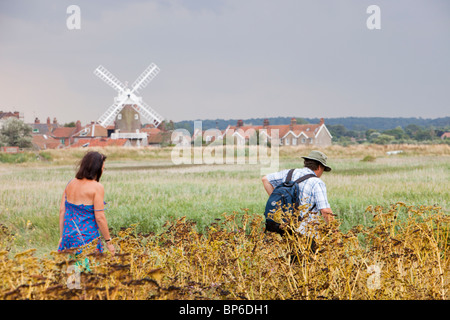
127, 96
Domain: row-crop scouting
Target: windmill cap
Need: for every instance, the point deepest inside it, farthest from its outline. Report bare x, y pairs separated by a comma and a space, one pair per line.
318, 156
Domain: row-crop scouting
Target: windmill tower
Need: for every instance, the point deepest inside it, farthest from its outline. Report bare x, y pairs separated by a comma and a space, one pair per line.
127, 100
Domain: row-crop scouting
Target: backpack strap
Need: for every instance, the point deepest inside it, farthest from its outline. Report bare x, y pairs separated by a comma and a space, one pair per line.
291, 172
289, 176
305, 177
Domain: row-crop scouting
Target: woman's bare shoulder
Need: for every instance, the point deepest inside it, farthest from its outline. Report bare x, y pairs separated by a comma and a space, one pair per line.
86, 184
98, 186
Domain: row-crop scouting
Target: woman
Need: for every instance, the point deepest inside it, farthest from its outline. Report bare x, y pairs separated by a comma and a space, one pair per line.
81, 213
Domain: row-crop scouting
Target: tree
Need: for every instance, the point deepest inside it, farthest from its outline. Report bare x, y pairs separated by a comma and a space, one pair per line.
372, 134
16, 133
424, 134
301, 121
412, 129
369, 133
337, 130
383, 139
398, 133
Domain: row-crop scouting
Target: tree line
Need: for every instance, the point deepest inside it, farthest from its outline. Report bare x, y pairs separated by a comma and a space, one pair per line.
412, 133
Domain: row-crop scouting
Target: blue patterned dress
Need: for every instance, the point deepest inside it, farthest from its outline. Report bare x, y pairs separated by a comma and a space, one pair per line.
80, 227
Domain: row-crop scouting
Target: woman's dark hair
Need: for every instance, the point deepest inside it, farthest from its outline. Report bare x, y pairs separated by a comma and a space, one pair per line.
91, 166
312, 164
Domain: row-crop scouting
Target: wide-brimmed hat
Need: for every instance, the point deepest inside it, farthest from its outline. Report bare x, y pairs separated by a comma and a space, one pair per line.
318, 156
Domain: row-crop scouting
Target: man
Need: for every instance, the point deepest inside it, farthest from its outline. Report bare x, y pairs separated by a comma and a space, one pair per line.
312, 191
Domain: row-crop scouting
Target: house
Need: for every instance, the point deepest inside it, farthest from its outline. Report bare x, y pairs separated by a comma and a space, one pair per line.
292, 134
96, 135
306, 134
6, 115
41, 137
154, 135
92, 134
160, 138
90, 131
44, 141
445, 135
64, 135
43, 128
156, 140
151, 130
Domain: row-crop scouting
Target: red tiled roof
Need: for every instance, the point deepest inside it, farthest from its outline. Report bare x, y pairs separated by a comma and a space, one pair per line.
155, 138
63, 132
149, 126
5, 115
99, 142
92, 130
160, 137
309, 130
445, 135
43, 142
151, 131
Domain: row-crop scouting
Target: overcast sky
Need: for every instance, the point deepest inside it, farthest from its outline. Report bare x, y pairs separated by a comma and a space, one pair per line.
228, 59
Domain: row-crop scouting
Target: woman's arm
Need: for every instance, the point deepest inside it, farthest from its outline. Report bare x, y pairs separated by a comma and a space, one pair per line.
100, 217
99, 211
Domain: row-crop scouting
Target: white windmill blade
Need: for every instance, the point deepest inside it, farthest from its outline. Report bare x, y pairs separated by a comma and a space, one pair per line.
148, 113
146, 76
109, 78
108, 117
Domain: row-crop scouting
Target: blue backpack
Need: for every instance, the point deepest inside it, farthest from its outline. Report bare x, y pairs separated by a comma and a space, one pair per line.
285, 196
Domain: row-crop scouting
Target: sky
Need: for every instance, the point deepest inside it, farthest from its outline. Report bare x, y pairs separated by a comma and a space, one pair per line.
228, 59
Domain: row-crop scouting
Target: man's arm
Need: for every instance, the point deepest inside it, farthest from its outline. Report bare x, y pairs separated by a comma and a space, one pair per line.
320, 196
267, 185
327, 214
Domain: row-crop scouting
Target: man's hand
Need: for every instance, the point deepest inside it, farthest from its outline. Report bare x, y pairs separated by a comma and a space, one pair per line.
327, 214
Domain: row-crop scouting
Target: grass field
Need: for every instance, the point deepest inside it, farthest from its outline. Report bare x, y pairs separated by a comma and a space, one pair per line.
143, 187
196, 231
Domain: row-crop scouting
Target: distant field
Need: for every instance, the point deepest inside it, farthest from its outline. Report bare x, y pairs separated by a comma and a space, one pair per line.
143, 186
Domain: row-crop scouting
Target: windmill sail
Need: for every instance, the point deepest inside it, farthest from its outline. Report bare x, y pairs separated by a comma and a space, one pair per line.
148, 113
146, 76
108, 117
109, 78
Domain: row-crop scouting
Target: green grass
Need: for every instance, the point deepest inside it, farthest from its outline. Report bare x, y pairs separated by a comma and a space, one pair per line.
150, 190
